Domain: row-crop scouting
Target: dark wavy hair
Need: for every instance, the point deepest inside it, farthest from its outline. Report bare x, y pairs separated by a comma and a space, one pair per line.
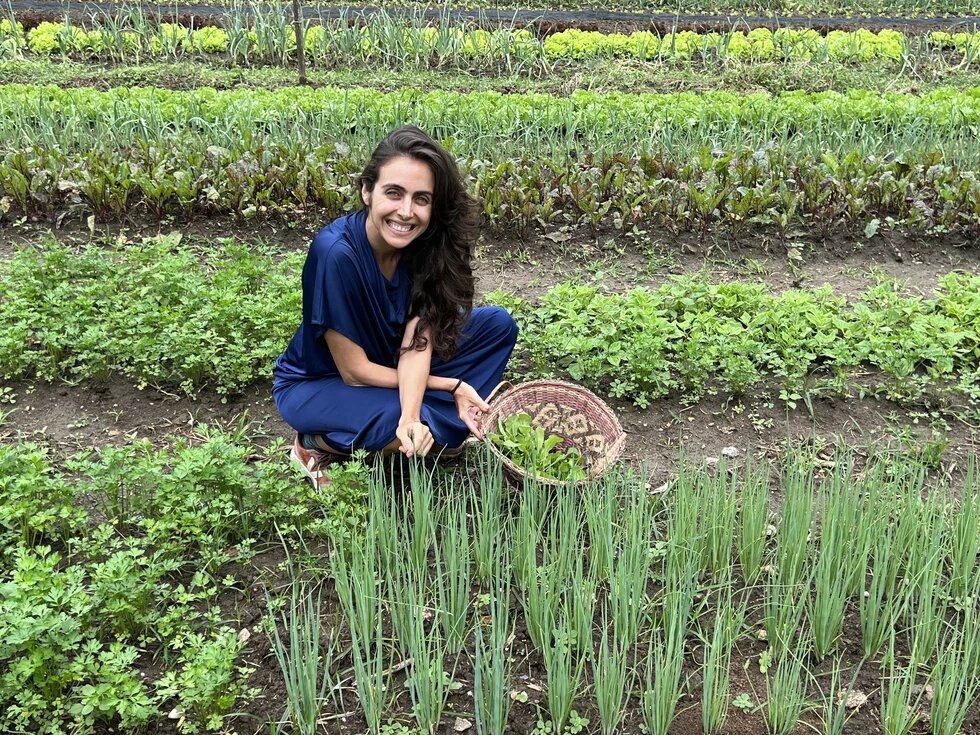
439, 260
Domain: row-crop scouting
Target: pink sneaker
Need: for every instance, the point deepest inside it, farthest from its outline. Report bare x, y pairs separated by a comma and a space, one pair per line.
314, 463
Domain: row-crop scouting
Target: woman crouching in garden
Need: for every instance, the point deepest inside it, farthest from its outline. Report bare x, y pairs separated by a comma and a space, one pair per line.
391, 355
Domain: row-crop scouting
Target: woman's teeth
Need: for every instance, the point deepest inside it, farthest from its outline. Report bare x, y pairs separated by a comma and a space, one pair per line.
397, 227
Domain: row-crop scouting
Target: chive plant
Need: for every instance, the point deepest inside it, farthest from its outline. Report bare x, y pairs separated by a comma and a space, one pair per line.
541, 602
963, 534
838, 551
956, 677
836, 707
925, 604
424, 517
564, 670
527, 535
611, 676
453, 575
793, 534
600, 504
491, 668
685, 553
428, 682
359, 593
784, 607
900, 698
580, 601
304, 658
753, 519
718, 501
662, 673
717, 659
786, 690
629, 567
486, 496
877, 607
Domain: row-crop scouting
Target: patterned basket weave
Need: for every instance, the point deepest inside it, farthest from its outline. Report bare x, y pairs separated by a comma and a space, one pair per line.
577, 415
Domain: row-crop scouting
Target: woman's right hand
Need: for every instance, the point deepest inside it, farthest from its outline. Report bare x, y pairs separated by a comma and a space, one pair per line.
415, 438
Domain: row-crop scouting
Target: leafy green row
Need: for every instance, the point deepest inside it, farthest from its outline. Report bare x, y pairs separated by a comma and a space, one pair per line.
153, 312
490, 125
695, 337
405, 40
156, 311
741, 191
534, 159
757, 44
84, 595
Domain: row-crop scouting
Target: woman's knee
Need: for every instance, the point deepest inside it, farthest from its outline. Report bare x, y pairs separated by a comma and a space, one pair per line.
499, 322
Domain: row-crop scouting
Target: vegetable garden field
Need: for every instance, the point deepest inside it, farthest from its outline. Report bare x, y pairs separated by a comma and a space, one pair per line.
758, 242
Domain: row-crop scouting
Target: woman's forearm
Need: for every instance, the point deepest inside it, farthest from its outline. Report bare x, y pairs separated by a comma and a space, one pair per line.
385, 377
413, 376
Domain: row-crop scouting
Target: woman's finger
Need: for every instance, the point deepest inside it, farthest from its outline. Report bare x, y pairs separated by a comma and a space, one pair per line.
471, 424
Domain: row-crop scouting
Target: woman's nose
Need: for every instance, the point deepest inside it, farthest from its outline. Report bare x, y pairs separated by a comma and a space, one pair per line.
405, 210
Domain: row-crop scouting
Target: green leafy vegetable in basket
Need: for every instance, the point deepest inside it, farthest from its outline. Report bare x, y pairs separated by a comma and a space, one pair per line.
529, 448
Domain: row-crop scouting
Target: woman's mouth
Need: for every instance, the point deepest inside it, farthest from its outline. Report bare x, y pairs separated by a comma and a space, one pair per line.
399, 227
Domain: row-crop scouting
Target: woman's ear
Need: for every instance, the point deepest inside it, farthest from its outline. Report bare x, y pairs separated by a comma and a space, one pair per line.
366, 196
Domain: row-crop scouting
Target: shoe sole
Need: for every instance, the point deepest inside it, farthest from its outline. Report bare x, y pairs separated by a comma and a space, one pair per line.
310, 475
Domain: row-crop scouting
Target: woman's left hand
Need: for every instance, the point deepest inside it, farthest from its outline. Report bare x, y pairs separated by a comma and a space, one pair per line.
471, 408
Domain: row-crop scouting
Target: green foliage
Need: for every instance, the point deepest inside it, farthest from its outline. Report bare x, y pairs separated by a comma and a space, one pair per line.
81, 600
696, 159
208, 682
528, 447
35, 504
410, 39
151, 310
58, 668
698, 337
155, 312
758, 44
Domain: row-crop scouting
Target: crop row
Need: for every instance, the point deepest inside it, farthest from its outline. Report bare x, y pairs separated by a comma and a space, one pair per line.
389, 39
491, 125
533, 159
757, 44
154, 312
710, 188
692, 337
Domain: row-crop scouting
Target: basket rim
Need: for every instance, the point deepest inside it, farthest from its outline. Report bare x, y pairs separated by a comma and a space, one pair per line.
505, 389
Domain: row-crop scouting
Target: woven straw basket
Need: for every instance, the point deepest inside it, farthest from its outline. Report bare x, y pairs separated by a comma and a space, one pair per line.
577, 415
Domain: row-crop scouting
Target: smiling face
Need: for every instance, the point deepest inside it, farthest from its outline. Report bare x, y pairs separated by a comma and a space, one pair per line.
399, 206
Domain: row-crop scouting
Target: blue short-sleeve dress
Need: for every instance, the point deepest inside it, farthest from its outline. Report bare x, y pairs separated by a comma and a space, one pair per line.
345, 290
